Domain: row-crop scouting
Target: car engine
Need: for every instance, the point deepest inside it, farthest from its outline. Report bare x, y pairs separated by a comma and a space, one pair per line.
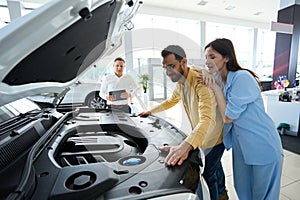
95, 154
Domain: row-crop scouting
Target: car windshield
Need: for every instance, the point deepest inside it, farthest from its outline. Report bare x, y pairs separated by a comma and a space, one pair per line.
16, 108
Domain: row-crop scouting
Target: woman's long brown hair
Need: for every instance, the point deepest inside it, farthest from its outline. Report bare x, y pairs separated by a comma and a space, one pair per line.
226, 49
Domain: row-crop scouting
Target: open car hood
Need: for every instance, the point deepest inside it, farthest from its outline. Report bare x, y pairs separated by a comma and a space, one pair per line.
47, 49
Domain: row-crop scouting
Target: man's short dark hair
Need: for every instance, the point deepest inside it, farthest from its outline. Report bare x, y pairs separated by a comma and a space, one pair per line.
119, 59
174, 49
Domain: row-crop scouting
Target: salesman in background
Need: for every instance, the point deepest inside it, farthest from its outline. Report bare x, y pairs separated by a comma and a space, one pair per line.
118, 88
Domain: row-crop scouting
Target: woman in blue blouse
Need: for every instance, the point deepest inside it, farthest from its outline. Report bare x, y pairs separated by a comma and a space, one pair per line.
256, 147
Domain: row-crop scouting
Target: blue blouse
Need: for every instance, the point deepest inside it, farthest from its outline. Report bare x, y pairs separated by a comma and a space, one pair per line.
252, 129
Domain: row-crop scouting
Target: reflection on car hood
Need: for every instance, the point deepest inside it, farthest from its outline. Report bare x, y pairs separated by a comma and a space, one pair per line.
47, 49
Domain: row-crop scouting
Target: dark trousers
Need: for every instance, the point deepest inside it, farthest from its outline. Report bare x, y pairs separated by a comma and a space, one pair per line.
124, 108
213, 172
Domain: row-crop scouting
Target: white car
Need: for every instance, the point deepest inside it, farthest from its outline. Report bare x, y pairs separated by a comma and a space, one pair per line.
84, 93
79, 152
80, 93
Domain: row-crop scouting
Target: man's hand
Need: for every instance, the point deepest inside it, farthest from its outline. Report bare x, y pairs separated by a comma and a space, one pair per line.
177, 154
111, 97
124, 95
144, 114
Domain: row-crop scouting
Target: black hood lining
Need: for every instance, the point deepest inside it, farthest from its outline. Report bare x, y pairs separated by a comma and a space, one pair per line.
66, 55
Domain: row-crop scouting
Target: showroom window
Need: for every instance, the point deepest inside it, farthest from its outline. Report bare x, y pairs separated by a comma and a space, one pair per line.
150, 36
254, 47
26, 7
265, 53
259, 59
187, 27
241, 37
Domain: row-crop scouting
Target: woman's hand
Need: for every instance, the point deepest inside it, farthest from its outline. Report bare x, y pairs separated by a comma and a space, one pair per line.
206, 78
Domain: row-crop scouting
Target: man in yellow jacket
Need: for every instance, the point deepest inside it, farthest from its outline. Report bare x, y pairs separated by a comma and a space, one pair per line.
201, 107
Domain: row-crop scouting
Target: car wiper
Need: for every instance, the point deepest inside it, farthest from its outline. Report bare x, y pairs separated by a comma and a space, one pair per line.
28, 174
58, 99
19, 120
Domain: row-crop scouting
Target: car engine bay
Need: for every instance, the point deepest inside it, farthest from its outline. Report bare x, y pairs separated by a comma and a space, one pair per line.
92, 154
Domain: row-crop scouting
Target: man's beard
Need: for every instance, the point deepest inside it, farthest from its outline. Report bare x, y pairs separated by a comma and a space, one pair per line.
177, 76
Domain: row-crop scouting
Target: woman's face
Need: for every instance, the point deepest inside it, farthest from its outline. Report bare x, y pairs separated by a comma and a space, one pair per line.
214, 60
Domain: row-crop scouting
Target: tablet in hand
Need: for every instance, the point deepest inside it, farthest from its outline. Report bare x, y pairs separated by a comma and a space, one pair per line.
117, 94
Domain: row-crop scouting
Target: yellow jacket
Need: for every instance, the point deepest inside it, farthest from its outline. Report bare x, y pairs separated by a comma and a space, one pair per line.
202, 110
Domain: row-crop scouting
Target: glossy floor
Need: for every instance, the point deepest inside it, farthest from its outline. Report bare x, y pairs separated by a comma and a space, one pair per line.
290, 181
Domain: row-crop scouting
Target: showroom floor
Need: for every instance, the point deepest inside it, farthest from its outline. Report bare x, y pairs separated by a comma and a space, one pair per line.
290, 181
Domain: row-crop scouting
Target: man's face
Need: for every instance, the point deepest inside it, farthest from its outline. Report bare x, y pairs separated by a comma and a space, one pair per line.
173, 68
119, 67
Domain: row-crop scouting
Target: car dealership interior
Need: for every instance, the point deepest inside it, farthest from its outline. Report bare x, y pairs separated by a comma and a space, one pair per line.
266, 36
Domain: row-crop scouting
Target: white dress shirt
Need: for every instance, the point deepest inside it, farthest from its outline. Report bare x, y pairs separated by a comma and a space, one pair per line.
113, 83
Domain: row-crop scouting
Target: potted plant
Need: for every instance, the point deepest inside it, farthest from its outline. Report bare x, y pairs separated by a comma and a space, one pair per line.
143, 80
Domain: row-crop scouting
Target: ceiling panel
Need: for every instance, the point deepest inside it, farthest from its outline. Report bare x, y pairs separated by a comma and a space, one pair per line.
263, 11
257, 11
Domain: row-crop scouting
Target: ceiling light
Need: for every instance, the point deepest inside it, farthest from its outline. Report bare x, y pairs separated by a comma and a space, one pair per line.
230, 7
203, 2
